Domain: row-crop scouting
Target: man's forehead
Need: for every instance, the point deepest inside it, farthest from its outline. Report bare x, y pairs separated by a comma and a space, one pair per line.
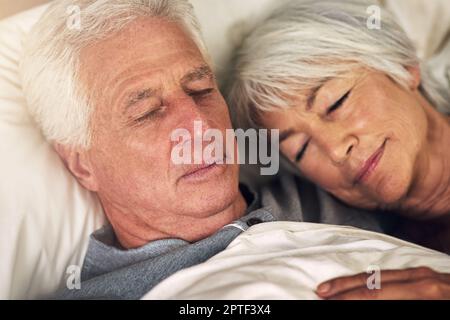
144, 56
151, 39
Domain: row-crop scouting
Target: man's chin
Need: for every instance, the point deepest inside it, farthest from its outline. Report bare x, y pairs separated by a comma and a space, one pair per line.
207, 197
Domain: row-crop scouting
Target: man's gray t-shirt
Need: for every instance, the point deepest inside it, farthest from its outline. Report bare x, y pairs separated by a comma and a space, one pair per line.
111, 272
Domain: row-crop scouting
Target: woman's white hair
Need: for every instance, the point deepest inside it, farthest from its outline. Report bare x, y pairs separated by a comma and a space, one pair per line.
305, 43
50, 64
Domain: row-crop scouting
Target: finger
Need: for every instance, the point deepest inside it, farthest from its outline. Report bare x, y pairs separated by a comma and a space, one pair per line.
407, 274
337, 285
427, 288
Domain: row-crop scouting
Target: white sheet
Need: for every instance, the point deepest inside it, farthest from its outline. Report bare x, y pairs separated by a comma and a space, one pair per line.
287, 260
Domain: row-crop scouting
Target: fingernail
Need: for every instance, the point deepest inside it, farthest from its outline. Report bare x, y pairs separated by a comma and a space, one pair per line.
324, 287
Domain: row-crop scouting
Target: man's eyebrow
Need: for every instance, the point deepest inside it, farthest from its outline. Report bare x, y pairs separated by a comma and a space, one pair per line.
197, 74
139, 95
285, 134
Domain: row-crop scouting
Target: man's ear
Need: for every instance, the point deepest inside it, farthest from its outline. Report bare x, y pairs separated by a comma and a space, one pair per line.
415, 77
78, 163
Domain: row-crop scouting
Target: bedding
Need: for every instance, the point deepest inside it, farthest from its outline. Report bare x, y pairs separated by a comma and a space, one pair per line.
288, 260
110, 272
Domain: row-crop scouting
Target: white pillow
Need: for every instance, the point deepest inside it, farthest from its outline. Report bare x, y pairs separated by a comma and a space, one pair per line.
45, 215
426, 22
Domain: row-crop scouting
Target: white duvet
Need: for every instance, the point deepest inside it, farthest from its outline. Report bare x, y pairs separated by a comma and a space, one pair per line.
287, 260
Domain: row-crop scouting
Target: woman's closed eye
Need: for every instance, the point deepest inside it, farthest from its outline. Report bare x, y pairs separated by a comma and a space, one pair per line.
338, 103
302, 151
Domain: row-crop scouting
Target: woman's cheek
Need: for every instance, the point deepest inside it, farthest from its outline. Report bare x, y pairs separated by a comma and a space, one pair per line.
321, 172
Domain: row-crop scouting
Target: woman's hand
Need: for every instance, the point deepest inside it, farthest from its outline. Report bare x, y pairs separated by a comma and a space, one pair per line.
407, 284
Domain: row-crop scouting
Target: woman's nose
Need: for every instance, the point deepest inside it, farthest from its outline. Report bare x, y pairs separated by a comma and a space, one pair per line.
338, 144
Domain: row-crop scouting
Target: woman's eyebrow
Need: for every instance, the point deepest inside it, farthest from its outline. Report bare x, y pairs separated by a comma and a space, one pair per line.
285, 134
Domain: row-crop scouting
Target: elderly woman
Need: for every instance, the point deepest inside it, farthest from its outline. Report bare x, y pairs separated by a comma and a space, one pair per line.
358, 113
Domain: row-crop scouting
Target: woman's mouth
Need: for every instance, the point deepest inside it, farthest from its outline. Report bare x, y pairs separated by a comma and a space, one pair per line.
370, 165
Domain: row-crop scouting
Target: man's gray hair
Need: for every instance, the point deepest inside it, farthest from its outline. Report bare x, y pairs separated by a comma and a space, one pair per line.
305, 43
50, 64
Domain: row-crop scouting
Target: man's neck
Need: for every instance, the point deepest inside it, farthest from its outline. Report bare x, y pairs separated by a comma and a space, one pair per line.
134, 229
429, 196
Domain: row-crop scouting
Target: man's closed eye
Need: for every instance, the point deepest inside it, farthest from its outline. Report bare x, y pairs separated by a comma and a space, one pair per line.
199, 94
149, 115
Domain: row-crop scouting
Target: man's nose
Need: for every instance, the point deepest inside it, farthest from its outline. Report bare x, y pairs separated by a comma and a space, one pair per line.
337, 142
194, 119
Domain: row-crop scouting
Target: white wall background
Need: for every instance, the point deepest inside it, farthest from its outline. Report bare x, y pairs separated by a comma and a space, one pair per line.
10, 7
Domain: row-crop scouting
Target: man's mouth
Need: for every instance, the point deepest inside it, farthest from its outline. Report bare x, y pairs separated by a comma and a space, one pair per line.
199, 170
370, 165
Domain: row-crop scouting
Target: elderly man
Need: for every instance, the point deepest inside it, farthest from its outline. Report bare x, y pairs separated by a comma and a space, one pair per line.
108, 91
